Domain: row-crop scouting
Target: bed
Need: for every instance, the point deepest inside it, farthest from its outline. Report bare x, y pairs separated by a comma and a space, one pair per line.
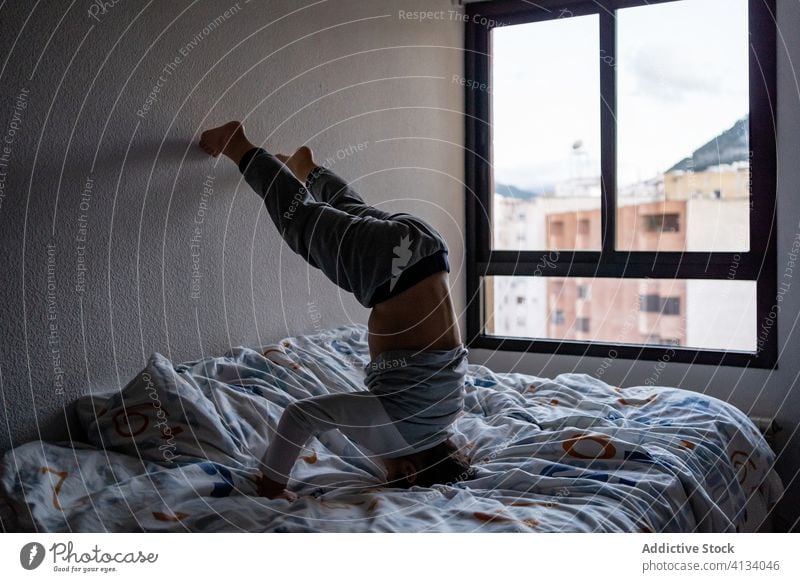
178, 449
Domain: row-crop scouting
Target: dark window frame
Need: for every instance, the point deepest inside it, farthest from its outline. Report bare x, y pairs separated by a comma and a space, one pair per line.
759, 264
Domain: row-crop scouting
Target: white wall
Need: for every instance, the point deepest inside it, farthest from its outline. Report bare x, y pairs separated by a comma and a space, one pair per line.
332, 75
760, 392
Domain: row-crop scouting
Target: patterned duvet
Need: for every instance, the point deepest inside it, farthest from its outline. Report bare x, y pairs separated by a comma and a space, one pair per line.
178, 449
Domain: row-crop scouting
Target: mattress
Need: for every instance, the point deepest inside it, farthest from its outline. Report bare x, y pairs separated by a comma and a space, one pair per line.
180, 446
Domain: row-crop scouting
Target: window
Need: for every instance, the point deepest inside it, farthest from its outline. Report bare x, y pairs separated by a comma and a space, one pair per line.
657, 304
662, 222
520, 299
671, 306
650, 312
647, 167
650, 303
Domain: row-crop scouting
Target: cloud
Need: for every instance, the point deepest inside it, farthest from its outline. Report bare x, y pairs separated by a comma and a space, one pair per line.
662, 73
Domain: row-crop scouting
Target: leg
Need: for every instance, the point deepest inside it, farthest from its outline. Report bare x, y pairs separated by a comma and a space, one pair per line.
325, 186
363, 254
328, 238
328, 187
429, 254
354, 252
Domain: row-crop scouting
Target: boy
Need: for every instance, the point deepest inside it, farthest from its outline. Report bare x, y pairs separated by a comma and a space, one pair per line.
397, 265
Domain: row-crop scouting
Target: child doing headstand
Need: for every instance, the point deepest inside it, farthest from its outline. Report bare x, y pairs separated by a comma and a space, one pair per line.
397, 265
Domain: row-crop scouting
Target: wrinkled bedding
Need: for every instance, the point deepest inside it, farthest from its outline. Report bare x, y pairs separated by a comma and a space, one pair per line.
179, 448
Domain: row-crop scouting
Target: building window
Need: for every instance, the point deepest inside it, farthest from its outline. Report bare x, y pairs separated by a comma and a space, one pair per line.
582, 324
662, 222
583, 291
520, 299
671, 306
608, 183
650, 303
658, 304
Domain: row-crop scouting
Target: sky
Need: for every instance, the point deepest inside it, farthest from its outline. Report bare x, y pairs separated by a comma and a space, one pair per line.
682, 74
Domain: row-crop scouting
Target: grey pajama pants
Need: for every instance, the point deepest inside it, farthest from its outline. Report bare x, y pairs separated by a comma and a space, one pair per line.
362, 249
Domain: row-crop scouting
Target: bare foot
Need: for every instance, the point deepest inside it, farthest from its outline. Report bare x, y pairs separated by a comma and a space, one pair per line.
301, 162
227, 139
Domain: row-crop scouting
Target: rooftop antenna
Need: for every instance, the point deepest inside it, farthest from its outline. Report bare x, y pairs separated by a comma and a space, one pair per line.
579, 161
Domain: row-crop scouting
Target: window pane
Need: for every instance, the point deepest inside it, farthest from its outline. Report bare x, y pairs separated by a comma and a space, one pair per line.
683, 107
545, 94
711, 314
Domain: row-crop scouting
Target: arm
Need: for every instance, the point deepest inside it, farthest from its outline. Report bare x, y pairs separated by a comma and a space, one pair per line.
358, 415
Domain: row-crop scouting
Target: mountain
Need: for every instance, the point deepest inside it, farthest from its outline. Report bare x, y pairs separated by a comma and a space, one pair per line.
514, 192
732, 145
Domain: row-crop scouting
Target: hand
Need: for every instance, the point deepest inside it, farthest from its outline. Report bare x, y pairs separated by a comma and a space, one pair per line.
274, 490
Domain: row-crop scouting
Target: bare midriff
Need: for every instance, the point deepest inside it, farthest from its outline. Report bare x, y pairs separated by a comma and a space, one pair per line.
420, 318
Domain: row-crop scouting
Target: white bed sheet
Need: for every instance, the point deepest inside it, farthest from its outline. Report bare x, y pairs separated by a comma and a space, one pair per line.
178, 449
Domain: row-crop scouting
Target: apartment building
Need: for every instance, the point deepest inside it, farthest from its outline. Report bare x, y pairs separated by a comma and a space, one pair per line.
696, 205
